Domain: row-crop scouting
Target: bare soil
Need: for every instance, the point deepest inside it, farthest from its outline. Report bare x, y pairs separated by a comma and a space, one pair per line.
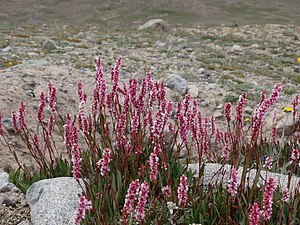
119, 13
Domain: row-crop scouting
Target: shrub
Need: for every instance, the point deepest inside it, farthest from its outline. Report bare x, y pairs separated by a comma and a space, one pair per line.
131, 166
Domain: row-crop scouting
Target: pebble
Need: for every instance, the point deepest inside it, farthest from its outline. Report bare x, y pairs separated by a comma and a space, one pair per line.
30, 93
8, 203
7, 124
7, 49
236, 48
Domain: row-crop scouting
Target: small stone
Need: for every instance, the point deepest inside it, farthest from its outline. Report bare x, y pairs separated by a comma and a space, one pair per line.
193, 91
236, 48
32, 53
201, 71
7, 49
212, 86
49, 45
218, 115
160, 44
204, 73
254, 46
25, 222
220, 107
8, 203
41, 88
30, 93
203, 103
7, 124
7, 187
15, 189
248, 110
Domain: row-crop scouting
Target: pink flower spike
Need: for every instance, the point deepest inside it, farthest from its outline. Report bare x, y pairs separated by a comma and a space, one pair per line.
68, 132
165, 191
182, 191
254, 215
1, 129
131, 196
268, 163
295, 105
294, 156
273, 135
232, 187
41, 108
239, 112
267, 198
140, 207
104, 161
51, 97
51, 124
225, 152
22, 114
213, 126
76, 162
285, 195
14, 121
227, 112
83, 206
153, 163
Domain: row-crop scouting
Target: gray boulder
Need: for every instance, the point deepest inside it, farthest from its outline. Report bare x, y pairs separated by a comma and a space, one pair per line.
39, 63
157, 24
177, 83
218, 174
54, 201
49, 45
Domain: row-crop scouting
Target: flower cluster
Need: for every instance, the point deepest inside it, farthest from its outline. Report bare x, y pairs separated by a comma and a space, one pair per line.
131, 196
267, 198
41, 108
268, 163
294, 156
257, 119
182, 191
227, 112
104, 161
232, 187
239, 112
285, 195
51, 97
165, 191
295, 105
84, 205
153, 163
1, 129
254, 215
142, 201
225, 152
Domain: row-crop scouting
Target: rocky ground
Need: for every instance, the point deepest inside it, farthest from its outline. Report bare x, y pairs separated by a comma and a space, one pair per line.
218, 64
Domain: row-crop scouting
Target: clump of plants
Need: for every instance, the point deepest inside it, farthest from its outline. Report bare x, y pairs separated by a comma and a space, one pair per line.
131, 169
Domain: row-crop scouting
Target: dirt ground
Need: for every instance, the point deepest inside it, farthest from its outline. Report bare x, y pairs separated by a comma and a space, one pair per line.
130, 13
